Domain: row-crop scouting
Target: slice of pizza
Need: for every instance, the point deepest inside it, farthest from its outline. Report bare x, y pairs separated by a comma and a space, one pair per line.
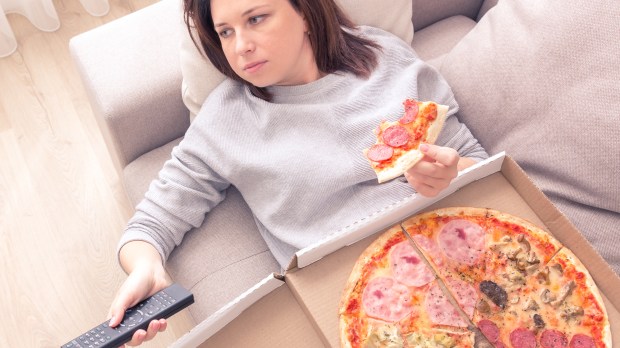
396, 148
484, 250
392, 299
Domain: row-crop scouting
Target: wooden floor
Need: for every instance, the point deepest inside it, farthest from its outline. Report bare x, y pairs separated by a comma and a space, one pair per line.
62, 208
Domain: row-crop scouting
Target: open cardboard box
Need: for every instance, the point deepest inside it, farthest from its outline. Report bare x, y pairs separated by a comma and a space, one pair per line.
300, 308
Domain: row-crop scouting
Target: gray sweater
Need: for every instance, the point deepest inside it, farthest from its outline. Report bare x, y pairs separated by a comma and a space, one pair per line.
297, 160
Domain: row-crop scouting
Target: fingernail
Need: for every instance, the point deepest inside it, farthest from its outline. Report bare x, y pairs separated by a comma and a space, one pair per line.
110, 322
424, 147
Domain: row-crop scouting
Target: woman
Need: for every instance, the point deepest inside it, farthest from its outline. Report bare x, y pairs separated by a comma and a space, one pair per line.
306, 89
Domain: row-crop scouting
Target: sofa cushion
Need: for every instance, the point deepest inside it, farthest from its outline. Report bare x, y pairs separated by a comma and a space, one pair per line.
200, 77
530, 79
222, 258
427, 12
436, 40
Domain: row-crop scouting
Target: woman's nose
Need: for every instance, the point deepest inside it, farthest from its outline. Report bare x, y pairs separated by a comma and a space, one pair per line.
244, 43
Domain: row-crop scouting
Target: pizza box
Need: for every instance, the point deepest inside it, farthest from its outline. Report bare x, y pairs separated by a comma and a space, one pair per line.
300, 307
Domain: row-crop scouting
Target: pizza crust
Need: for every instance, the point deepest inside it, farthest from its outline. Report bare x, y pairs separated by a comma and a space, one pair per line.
446, 212
344, 324
401, 165
437, 126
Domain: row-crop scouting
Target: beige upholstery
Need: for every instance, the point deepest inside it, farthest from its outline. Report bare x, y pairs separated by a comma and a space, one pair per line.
434, 41
133, 80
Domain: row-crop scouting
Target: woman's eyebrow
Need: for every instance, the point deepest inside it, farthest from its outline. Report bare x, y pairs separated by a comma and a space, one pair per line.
245, 13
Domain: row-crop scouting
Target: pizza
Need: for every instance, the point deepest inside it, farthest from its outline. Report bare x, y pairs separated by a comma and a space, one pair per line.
396, 147
471, 277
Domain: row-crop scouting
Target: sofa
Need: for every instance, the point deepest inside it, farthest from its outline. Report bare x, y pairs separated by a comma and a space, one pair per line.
533, 78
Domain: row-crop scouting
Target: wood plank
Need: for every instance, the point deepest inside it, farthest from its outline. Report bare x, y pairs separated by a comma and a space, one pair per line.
62, 206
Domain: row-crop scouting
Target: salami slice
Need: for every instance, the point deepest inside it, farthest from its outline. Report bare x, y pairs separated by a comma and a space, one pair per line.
395, 136
440, 310
386, 299
411, 111
581, 341
553, 339
408, 267
522, 338
380, 153
462, 241
489, 330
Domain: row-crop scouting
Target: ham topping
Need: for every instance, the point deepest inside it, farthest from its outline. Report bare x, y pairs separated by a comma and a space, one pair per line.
462, 241
408, 267
386, 299
430, 247
440, 310
464, 293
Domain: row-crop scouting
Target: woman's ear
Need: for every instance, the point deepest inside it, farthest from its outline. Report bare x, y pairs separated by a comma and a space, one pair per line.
306, 24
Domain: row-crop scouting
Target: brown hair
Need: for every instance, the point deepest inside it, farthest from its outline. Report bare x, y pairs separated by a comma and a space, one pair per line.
335, 47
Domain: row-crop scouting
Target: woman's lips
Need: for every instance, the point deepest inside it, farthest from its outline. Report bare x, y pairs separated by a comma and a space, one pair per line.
254, 67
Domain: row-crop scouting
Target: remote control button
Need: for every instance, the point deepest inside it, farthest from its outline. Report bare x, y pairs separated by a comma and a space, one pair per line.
133, 318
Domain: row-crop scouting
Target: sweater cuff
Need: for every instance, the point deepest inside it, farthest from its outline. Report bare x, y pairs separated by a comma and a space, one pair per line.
131, 236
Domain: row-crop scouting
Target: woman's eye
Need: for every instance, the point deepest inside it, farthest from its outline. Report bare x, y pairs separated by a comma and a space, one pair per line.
256, 19
225, 33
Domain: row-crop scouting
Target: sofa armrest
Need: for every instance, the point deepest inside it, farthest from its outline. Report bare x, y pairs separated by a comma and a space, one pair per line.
131, 72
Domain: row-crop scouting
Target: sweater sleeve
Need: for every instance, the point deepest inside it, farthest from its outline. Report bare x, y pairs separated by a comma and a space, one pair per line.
185, 190
457, 136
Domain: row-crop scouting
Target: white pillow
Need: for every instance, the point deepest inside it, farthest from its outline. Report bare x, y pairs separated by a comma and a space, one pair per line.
200, 77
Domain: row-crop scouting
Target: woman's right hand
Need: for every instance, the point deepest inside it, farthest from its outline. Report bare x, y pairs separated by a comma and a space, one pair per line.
146, 277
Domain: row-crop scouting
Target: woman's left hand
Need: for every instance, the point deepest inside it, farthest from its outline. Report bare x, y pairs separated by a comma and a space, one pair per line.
435, 171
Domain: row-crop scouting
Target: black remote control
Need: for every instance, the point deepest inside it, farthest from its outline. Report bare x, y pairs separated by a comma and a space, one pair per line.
162, 305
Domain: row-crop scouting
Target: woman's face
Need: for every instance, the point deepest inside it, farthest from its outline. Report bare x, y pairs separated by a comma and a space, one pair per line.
265, 41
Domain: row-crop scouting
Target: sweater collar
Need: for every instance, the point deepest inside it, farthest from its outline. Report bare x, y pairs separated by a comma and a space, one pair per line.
317, 90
